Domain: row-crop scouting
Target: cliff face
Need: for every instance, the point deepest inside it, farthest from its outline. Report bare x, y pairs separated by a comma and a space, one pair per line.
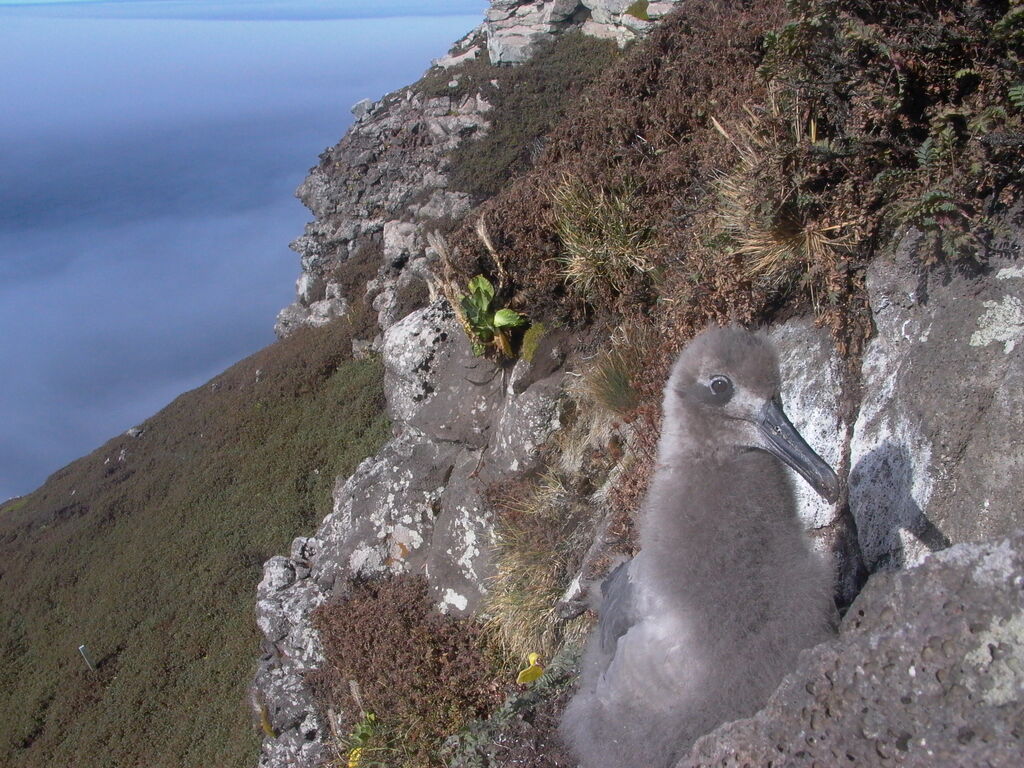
924, 427
385, 184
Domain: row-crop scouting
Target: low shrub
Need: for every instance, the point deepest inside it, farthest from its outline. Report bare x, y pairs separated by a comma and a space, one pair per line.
422, 675
527, 100
916, 101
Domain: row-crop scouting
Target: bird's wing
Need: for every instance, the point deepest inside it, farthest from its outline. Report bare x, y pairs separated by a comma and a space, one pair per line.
618, 606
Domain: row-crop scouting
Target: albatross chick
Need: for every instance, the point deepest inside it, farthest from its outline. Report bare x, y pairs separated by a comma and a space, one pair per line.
699, 628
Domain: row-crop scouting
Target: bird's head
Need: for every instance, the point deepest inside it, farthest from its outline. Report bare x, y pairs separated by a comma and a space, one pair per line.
723, 396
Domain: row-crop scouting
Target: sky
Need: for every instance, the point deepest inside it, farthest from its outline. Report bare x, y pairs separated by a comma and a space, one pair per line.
149, 153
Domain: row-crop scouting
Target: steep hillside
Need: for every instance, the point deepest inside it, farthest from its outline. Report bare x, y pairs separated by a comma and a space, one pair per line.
844, 174
146, 551
514, 255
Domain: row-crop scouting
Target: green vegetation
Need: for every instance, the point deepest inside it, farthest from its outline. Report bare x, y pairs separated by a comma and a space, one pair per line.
531, 339
528, 100
489, 327
638, 10
423, 675
149, 549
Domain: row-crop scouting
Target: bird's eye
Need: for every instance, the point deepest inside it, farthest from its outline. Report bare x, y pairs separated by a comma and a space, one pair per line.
721, 386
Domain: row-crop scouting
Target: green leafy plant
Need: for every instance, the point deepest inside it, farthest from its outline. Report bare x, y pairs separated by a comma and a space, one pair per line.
360, 748
1015, 93
488, 326
638, 10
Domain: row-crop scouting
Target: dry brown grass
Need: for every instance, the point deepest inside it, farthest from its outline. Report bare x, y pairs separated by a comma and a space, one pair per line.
607, 242
541, 532
609, 379
780, 238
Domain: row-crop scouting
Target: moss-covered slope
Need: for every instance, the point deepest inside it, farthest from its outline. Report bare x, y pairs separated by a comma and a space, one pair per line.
148, 549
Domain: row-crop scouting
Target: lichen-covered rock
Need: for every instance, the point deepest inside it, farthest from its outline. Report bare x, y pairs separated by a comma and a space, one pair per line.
938, 446
286, 598
384, 514
928, 670
434, 381
380, 188
515, 28
418, 506
813, 393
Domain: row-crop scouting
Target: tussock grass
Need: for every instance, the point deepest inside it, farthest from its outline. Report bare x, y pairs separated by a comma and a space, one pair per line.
541, 534
609, 380
606, 239
780, 239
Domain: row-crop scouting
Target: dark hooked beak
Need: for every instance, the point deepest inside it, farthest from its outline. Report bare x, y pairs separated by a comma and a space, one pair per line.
782, 439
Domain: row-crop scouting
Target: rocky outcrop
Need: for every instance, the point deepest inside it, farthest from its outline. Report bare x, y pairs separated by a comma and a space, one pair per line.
515, 28
386, 183
380, 188
927, 436
928, 670
937, 449
461, 423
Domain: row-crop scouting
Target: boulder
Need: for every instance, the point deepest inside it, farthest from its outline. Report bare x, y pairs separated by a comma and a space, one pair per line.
383, 515
938, 447
400, 242
928, 670
362, 108
814, 392
434, 381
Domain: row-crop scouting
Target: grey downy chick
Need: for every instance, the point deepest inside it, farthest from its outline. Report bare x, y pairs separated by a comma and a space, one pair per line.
699, 628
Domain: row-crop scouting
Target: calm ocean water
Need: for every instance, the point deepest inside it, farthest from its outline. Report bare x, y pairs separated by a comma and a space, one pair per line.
147, 171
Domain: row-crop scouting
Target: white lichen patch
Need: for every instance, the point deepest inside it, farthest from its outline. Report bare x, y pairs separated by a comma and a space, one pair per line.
452, 599
1007, 273
999, 660
1002, 321
468, 527
364, 560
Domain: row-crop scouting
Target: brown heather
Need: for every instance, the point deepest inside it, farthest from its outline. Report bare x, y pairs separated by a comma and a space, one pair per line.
423, 675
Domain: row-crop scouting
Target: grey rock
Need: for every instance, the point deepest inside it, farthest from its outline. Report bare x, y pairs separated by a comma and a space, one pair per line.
656, 10
523, 424
928, 670
290, 319
812, 389
400, 241
938, 446
310, 288
362, 108
515, 29
391, 166
453, 60
459, 560
434, 381
813, 392
384, 514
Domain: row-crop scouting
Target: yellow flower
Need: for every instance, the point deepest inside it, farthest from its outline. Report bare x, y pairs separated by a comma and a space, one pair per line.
532, 672
355, 756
